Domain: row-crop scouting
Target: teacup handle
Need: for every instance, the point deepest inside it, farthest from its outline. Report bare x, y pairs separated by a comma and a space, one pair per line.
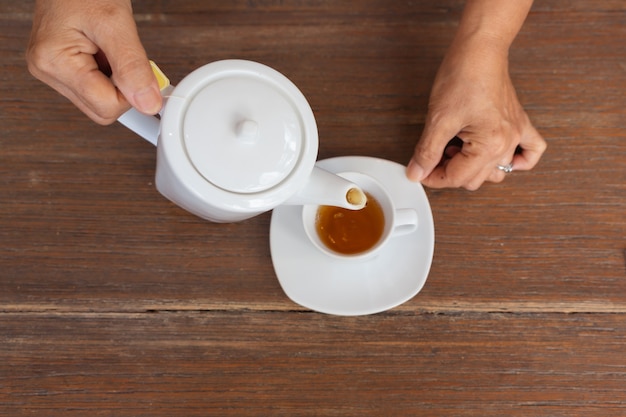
405, 221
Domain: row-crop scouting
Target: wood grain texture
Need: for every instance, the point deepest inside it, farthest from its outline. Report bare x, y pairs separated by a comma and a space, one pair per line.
113, 301
302, 364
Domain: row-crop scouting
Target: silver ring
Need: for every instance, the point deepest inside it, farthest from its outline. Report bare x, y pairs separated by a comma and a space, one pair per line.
506, 168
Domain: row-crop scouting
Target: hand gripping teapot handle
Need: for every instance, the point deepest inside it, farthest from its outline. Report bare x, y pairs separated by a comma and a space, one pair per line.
147, 127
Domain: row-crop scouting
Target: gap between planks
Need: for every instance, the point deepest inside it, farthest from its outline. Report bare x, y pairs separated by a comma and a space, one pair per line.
426, 307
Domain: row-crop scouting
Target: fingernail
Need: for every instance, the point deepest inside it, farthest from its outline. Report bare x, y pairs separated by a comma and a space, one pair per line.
414, 172
148, 100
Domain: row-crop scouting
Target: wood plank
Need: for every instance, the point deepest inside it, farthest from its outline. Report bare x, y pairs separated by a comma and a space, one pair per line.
302, 364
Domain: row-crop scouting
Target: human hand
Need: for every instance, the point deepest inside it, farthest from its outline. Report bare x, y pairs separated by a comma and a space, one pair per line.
473, 99
90, 52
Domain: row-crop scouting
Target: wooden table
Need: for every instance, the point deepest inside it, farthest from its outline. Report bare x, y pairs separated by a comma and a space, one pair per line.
115, 302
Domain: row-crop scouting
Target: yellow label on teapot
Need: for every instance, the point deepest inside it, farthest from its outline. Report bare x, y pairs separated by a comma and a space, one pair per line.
164, 82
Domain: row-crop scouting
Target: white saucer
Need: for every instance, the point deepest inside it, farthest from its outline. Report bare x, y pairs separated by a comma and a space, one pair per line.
327, 285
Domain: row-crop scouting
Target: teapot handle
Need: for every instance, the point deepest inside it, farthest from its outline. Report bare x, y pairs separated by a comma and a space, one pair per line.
148, 127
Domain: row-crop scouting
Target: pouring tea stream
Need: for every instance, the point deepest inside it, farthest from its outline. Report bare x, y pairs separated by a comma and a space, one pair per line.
237, 138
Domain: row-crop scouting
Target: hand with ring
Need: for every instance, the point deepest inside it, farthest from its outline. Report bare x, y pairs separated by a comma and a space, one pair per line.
473, 100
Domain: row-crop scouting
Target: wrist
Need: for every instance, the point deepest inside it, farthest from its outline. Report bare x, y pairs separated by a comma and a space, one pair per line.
492, 24
481, 44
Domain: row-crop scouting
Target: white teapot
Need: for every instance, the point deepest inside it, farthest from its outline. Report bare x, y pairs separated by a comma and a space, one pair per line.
235, 139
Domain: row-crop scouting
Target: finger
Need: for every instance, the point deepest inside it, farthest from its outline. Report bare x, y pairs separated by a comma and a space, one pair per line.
103, 102
96, 109
130, 68
465, 169
533, 146
429, 150
496, 174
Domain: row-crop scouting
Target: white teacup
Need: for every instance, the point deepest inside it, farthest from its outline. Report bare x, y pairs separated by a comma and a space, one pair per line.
397, 221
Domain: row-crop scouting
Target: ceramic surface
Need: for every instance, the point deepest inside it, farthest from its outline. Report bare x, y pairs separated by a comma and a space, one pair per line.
342, 287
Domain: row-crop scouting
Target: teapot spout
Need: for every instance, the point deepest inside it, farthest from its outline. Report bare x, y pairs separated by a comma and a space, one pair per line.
328, 189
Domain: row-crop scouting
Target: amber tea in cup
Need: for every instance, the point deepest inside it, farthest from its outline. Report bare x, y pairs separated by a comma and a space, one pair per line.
351, 231
358, 234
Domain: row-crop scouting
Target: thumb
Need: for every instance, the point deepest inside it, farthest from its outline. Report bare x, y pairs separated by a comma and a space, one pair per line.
429, 151
130, 69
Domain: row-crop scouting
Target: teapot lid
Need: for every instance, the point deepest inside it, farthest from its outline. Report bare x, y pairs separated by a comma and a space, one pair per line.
246, 127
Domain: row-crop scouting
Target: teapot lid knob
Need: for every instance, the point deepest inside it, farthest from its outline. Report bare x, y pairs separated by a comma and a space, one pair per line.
247, 130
